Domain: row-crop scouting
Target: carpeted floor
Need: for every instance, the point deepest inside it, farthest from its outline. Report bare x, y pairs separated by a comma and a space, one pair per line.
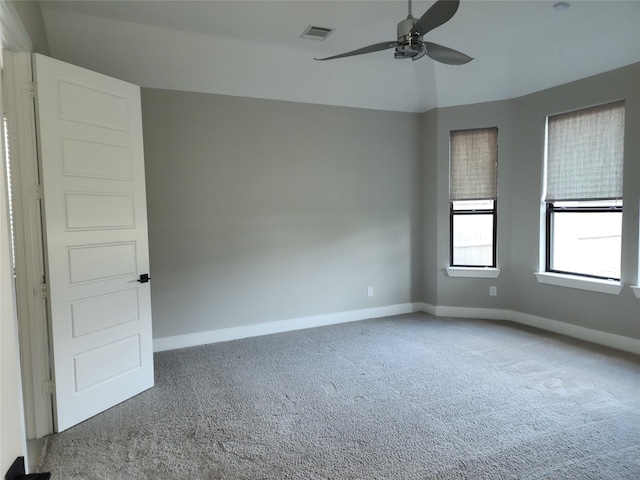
407, 397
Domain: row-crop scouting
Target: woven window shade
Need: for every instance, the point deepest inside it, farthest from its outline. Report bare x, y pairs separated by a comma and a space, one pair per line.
473, 171
585, 154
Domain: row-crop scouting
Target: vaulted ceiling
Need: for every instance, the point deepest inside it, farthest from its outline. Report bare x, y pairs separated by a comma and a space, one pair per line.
254, 49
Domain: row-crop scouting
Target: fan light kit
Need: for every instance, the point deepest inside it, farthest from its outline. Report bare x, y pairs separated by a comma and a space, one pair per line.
410, 32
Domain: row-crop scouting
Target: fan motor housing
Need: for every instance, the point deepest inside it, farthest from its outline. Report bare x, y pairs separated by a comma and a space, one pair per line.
405, 27
409, 44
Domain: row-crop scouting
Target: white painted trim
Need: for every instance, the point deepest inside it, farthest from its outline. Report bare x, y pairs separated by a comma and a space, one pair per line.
32, 318
612, 340
619, 342
636, 291
472, 312
13, 35
279, 326
473, 272
426, 308
610, 287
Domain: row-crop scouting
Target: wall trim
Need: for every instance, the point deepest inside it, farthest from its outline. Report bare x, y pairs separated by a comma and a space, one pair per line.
472, 312
13, 35
29, 250
473, 272
279, 326
618, 342
611, 287
612, 340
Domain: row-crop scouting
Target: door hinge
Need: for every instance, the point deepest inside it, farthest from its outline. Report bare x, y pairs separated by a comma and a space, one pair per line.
47, 387
41, 291
29, 88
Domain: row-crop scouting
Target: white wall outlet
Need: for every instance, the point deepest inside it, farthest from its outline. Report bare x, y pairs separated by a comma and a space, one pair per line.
370, 292
493, 290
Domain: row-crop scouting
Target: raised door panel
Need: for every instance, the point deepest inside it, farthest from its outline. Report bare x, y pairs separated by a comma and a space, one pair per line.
90, 132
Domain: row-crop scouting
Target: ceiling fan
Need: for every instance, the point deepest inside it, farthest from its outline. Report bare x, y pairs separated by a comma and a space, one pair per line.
410, 32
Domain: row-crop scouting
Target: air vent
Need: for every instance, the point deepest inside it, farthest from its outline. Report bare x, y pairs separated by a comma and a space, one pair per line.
316, 33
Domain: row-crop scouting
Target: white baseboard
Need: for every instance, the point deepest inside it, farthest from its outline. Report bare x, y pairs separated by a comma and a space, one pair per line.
612, 340
472, 312
234, 333
426, 308
279, 326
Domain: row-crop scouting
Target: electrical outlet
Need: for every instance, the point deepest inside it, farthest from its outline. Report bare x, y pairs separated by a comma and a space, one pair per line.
493, 291
370, 292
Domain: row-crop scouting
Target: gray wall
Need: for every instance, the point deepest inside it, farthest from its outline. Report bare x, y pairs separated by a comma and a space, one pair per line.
431, 226
466, 292
614, 314
262, 210
521, 125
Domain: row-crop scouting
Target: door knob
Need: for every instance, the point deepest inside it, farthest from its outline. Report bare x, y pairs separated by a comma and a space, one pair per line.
144, 278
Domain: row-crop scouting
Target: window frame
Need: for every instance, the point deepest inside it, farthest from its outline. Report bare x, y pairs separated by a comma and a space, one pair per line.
550, 209
612, 194
462, 194
494, 237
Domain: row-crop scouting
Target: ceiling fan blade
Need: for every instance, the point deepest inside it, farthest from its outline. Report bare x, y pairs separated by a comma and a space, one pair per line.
446, 55
376, 47
439, 13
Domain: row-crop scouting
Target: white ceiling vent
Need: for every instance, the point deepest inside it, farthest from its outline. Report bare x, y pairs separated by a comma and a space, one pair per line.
316, 33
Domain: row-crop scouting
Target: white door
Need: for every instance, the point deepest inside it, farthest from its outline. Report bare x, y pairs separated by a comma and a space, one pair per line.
91, 156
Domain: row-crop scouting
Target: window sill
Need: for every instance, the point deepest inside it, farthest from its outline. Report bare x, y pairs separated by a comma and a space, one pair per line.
636, 290
591, 284
473, 272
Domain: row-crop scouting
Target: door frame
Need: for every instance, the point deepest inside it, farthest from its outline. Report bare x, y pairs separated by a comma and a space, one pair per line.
13, 38
30, 264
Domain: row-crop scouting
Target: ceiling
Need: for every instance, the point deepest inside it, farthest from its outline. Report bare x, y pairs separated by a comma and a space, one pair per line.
254, 49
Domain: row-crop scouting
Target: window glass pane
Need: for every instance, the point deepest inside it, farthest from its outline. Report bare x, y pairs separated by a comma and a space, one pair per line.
587, 243
473, 240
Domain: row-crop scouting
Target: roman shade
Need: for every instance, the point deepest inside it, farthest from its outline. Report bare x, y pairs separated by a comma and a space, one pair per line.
585, 152
473, 171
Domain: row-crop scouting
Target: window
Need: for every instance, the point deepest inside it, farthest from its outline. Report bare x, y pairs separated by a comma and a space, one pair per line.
584, 191
473, 179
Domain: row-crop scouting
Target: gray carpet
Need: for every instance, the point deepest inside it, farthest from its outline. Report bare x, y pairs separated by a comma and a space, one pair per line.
407, 397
